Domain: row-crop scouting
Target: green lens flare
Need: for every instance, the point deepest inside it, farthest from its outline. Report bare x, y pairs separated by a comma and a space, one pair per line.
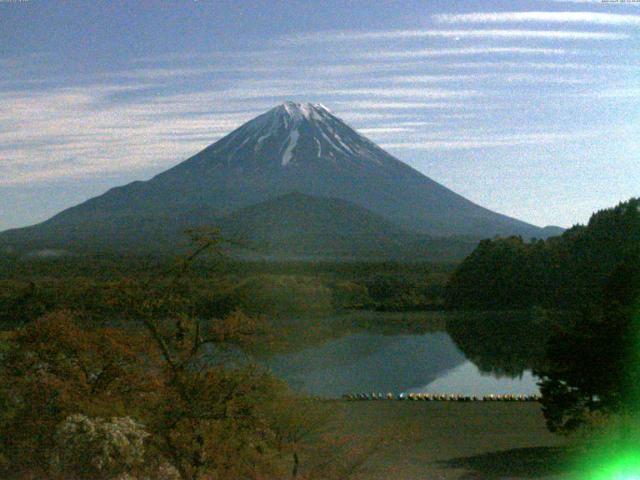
613, 459
617, 455
624, 467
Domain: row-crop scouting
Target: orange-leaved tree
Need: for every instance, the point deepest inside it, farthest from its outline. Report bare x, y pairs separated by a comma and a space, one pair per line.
51, 369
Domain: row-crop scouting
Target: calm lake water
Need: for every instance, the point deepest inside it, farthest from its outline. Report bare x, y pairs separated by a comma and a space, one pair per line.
371, 362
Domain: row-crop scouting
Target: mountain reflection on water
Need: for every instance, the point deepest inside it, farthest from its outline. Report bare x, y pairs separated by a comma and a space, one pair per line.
467, 379
478, 354
365, 362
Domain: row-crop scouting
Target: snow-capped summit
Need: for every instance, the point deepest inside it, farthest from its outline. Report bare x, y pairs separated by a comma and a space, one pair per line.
292, 133
298, 111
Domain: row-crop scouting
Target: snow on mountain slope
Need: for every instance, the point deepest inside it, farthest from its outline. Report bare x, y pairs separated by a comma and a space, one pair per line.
275, 135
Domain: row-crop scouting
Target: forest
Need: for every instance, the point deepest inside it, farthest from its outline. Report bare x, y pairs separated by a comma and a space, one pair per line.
561, 272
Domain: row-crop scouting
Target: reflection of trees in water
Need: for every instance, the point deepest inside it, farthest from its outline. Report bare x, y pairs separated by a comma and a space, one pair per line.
297, 334
365, 362
369, 351
502, 343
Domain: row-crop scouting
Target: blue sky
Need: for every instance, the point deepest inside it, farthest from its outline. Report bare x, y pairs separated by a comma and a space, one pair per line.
530, 108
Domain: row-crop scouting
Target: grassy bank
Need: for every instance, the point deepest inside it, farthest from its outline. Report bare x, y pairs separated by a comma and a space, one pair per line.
450, 440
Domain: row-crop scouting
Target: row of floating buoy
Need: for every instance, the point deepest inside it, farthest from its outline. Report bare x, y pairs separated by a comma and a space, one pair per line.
434, 397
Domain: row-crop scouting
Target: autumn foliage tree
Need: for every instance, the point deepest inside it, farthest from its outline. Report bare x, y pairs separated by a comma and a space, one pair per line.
51, 369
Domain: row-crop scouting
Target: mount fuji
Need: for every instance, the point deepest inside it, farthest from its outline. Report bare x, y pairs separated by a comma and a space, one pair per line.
296, 148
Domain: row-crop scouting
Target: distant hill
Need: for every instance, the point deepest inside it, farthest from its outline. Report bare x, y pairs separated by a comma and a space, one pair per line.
292, 226
291, 148
552, 231
298, 225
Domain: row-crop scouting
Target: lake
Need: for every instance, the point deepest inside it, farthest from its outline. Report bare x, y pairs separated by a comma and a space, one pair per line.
411, 363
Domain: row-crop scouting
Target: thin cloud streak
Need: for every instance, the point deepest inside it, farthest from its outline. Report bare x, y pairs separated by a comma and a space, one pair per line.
384, 130
598, 2
539, 65
444, 52
343, 35
495, 77
547, 79
408, 93
591, 18
615, 93
438, 78
462, 142
385, 105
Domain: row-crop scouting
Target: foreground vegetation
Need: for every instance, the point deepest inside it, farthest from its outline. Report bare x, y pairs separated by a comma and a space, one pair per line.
133, 378
112, 368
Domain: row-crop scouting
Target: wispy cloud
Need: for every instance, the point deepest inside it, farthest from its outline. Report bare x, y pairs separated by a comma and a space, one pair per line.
446, 52
615, 93
464, 142
399, 86
417, 93
540, 65
384, 130
603, 3
496, 76
162, 73
341, 36
433, 78
71, 133
593, 18
545, 79
387, 105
